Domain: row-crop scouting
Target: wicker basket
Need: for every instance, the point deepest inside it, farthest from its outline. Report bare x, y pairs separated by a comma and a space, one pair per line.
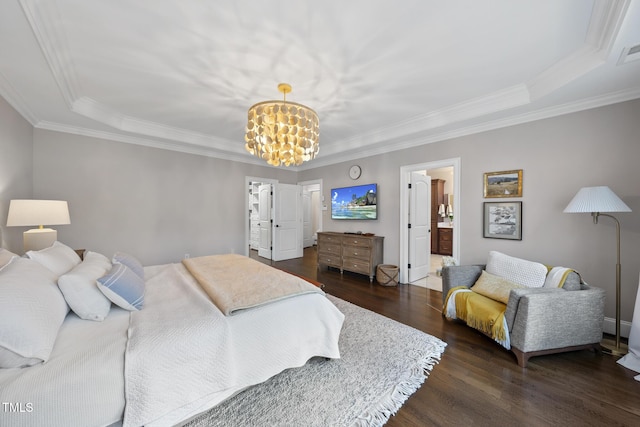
387, 274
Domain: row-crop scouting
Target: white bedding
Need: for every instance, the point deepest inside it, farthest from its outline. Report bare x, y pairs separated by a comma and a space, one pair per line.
183, 357
81, 384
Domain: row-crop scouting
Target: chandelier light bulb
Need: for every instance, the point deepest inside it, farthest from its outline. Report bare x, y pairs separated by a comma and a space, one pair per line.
282, 132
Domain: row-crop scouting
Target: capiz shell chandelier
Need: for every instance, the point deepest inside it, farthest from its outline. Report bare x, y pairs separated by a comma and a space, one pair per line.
282, 132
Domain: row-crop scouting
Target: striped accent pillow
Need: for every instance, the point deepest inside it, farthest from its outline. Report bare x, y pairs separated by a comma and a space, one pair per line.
130, 261
123, 287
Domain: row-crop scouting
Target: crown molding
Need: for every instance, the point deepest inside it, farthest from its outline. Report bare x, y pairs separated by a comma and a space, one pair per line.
604, 25
606, 19
327, 160
151, 143
504, 99
8, 92
420, 139
99, 112
42, 16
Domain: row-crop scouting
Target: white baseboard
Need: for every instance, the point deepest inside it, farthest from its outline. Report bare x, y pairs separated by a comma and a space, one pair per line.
610, 327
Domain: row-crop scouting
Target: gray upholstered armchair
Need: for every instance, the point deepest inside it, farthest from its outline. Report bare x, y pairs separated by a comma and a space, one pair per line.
543, 320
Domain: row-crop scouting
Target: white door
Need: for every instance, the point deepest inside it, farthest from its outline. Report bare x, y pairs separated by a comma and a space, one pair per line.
307, 229
420, 226
264, 208
287, 221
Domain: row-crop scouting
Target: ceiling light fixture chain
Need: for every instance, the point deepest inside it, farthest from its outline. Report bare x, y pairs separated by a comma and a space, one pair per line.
282, 132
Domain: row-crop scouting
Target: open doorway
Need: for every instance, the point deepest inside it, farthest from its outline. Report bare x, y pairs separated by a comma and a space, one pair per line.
312, 210
252, 212
275, 217
443, 219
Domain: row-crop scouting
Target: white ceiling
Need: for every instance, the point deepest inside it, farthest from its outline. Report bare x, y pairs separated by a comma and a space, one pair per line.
381, 74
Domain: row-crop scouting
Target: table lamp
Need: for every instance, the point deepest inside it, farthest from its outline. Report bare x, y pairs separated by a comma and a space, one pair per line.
25, 213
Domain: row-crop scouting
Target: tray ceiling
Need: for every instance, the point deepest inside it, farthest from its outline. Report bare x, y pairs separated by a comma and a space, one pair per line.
382, 75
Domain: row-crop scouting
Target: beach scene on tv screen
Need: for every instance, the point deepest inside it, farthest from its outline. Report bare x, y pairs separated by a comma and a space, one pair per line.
357, 202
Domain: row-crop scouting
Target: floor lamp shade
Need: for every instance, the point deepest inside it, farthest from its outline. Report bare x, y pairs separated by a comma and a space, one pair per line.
27, 213
597, 200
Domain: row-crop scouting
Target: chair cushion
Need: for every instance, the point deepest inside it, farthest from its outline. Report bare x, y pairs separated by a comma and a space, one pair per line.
495, 287
526, 273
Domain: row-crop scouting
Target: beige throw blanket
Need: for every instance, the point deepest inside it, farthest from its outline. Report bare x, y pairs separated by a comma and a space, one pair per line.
235, 282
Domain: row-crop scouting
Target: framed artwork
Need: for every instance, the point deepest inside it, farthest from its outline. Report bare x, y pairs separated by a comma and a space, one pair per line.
503, 220
503, 184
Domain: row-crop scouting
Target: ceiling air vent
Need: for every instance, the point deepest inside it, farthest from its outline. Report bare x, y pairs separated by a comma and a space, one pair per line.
629, 54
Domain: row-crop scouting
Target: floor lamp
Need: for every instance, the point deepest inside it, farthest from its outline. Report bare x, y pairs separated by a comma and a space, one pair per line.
598, 200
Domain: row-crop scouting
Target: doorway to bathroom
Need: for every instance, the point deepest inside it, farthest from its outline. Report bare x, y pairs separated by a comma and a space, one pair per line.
437, 216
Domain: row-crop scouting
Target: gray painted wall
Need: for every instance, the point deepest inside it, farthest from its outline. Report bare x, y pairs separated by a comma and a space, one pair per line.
159, 204
16, 170
558, 157
155, 204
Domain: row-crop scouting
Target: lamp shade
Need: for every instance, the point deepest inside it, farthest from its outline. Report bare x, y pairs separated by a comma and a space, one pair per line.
596, 199
38, 212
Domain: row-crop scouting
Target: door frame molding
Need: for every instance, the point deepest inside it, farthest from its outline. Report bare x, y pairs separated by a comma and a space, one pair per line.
247, 218
319, 183
405, 172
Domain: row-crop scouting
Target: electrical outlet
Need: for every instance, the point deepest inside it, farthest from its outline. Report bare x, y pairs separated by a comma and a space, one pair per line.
186, 256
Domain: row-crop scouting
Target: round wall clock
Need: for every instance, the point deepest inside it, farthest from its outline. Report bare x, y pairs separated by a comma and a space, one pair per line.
355, 171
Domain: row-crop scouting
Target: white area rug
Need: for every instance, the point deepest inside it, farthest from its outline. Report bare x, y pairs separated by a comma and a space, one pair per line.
382, 363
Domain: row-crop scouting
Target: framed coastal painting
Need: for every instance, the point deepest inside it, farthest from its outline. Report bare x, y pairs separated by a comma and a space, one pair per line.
503, 184
503, 220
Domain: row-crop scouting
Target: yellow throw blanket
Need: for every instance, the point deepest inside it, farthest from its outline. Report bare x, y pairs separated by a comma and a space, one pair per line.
480, 312
235, 282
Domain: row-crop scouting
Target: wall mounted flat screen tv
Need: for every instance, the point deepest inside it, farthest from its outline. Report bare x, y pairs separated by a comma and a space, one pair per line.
355, 202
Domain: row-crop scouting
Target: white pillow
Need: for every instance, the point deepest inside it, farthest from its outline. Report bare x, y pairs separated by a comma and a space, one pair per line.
5, 257
58, 258
32, 310
526, 273
80, 288
123, 287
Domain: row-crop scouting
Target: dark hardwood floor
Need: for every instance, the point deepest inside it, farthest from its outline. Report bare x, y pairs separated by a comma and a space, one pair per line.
479, 383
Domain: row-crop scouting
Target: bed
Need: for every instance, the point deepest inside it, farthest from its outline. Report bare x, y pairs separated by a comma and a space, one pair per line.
177, 356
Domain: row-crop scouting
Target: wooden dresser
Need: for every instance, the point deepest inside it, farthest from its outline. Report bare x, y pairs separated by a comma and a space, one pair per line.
351, 252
